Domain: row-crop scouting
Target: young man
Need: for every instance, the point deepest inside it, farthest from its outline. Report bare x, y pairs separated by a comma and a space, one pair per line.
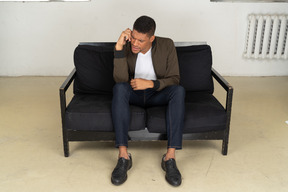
146, 73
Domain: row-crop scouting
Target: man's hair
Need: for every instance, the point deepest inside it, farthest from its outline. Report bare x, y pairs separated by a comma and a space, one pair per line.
145, 25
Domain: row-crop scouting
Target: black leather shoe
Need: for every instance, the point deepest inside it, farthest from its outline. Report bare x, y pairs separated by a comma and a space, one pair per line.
173, 175
119, 174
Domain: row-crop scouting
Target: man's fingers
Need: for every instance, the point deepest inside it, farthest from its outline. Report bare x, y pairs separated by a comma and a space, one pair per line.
127, 34
133, 84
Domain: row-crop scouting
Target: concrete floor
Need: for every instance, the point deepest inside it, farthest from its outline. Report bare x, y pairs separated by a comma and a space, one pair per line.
32, 159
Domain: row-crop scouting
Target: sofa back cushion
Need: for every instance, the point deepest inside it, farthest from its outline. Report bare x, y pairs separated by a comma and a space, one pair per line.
195, 64
94, 68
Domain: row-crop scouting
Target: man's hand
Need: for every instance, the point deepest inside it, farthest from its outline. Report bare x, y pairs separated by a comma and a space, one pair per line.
125, 36
141, 84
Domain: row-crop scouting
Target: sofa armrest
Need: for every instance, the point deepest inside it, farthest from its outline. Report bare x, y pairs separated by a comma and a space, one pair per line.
68, 81
229, 96
221, 80
227, 87
62, 90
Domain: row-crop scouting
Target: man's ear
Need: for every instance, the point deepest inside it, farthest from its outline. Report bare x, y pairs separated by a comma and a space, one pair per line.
152, 38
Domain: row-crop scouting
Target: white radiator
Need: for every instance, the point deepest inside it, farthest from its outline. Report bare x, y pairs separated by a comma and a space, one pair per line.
267, 37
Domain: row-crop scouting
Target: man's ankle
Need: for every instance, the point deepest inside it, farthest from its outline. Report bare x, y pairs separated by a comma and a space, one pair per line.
123, 152
124, 156
167, 157
170, 154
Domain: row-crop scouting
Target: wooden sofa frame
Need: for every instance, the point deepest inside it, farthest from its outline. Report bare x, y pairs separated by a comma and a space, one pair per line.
143, 135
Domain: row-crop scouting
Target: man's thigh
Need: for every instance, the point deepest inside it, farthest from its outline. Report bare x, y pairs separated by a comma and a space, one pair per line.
125, 91
162, 97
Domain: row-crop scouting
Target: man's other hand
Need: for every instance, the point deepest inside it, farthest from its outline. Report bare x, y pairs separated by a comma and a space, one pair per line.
141, 84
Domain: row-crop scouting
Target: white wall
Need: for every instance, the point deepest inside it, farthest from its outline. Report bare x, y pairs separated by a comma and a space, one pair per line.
39, 38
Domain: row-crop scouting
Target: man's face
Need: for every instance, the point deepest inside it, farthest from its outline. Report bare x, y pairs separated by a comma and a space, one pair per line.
140, 42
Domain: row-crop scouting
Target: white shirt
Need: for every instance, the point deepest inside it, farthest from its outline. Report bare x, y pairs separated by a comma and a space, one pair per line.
144, 66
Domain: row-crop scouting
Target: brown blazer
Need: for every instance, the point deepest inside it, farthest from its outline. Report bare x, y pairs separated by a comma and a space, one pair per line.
164, 58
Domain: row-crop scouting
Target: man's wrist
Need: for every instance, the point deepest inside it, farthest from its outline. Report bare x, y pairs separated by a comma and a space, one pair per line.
118, 47
119, 53
156, 84
151, 84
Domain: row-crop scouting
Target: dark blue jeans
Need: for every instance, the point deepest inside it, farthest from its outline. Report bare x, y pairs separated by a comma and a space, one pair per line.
172, 96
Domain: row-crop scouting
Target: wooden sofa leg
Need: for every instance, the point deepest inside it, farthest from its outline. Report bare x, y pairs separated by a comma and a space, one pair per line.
225, 146
66, 149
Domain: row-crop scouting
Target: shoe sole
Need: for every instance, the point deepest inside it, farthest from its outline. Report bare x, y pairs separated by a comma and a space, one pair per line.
172, 183
117, 184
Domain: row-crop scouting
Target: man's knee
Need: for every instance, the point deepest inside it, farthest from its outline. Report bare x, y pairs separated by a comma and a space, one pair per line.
179, 91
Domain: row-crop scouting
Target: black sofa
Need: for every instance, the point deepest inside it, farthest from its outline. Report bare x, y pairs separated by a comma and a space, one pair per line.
87, 117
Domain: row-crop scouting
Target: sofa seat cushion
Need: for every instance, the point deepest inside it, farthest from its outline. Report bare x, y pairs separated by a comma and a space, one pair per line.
93, 112
203, 113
